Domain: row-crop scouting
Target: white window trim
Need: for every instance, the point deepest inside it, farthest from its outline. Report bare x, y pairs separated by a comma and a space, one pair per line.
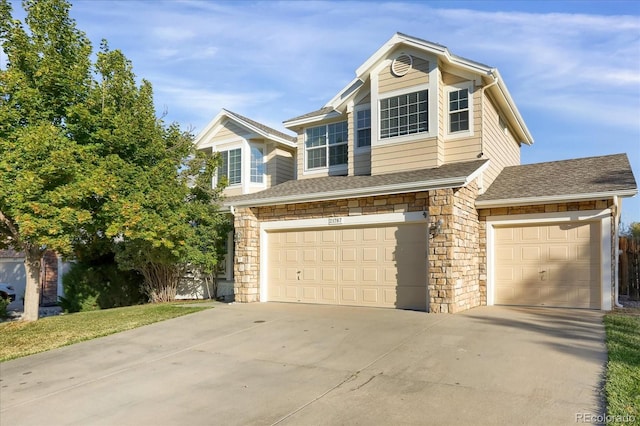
432, 86
603, 217
454, 88
326, 169
356, 109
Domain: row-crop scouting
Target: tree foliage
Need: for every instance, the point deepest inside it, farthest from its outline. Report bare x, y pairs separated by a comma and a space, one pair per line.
85, 161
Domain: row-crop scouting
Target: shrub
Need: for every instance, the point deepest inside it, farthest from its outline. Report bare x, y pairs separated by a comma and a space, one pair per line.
102, 285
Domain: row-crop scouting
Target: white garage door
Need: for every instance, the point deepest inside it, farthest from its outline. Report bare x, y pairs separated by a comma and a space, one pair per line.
366, 266
548, 265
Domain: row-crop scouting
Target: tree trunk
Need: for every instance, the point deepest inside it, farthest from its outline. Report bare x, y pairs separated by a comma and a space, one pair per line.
32, 259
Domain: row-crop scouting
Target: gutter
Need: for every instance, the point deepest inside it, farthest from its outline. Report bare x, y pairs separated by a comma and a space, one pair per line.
371, 191
566, 198
351, 193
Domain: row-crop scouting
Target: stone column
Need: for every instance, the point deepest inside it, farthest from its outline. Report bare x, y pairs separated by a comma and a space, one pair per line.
246, 265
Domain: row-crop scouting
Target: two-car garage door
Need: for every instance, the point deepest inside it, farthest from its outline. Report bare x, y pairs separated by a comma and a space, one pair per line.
548, 265
382, 266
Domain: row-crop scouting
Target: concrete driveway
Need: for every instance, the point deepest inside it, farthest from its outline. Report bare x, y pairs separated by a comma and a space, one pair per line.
306, 365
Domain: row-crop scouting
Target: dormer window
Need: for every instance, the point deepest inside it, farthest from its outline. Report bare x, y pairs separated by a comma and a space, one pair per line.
405, 114
326, 145
231, 166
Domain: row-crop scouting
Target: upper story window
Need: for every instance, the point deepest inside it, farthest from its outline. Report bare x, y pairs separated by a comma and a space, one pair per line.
404, 114
363, 128
257, 165
327, 145
459, 110
231, 166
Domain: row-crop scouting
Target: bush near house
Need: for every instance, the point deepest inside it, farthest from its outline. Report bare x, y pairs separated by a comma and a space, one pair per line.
100, 285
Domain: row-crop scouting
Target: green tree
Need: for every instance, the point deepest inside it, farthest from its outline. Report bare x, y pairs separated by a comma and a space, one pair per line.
45, 174
84, 161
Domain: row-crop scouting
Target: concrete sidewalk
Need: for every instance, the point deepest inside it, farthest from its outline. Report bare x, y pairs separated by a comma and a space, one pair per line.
303, 364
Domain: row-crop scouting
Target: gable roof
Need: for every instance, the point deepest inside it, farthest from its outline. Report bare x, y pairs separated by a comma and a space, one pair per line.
490, 74
249, 124
567, 180
340, 187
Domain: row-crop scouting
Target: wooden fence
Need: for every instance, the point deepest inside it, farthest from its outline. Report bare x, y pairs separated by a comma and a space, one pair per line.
630, 267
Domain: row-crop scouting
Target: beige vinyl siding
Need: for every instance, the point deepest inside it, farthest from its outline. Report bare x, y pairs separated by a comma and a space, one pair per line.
450, 79
499, 147
464, 148
418, 74
362, 163
231, 191
404, 156
229, 130
284, 165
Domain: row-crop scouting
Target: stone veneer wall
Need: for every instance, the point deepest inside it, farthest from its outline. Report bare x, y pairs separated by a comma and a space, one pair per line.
533, 209
454, 254
247, 225
246, 265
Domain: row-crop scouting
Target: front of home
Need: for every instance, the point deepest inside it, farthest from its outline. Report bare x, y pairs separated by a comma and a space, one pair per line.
407, 192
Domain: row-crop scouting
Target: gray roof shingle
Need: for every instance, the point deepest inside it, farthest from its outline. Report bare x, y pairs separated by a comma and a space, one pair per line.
262, 127
611, 173
317, 113
322, 187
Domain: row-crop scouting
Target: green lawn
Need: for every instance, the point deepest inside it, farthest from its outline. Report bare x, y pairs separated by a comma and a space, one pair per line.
622, 386
18, 338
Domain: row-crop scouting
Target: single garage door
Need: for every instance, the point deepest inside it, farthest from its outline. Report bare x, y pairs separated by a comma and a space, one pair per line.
381, 266
548, 265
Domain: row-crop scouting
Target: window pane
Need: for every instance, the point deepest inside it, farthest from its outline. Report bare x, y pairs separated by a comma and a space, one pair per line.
257, 165
316, 136
459, 121
235, 166
364, 137
338, 155
363, 126
224, 165
316, 157
408, 116
338, 133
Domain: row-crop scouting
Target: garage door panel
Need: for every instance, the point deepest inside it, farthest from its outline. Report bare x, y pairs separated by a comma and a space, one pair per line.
529, 254
370, 254
368, 266
560, 268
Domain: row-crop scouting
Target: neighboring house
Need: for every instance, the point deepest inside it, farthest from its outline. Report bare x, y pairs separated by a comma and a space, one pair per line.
12, 271
254, 157
410, 194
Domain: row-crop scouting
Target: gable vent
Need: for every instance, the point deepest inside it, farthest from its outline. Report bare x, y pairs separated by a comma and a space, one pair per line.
401, 65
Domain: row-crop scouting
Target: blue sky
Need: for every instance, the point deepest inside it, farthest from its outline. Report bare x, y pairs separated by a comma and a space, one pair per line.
573, 68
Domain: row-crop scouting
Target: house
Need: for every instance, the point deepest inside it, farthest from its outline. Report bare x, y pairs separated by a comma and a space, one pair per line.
254, 157
12, 271
409, 193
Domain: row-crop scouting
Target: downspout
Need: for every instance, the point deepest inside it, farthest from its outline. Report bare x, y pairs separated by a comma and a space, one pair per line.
616, 242
482, 135
493, 83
